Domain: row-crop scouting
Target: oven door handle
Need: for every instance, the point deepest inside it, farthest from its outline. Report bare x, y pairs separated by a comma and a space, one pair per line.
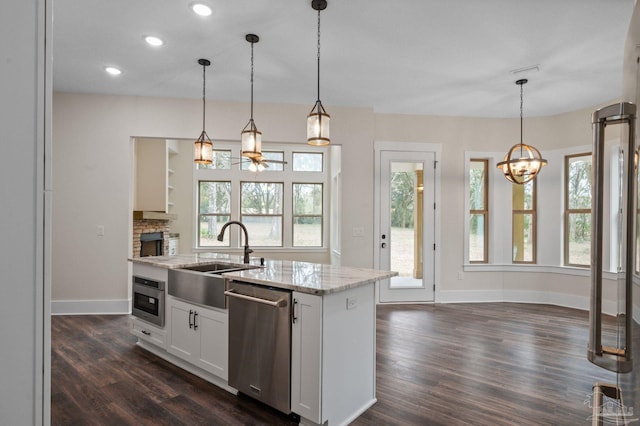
274, 303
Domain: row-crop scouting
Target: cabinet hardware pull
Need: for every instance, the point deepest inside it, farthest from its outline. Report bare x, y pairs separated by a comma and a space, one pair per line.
195, 324
148, 333
274, 303
293, 311
190, 313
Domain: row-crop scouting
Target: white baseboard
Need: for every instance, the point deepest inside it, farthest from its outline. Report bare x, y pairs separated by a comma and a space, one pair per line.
90, 307
516, 296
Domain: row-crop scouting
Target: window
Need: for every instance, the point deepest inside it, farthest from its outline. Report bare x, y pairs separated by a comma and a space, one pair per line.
524, 222
283, 206
478, 211
577, 218
307, 214
261, 212
307, 161
269, 167
214, 201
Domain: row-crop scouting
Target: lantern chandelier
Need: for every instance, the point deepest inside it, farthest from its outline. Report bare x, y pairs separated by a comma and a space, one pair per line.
203, 147
523, 162
251, 137
318, 119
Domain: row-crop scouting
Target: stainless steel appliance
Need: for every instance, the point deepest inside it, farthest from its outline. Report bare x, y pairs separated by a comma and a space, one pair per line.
148, 300
202, 284
614, 341
260, 343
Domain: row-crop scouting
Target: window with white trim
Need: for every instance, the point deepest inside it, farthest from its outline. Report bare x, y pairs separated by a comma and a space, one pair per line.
282, 206
577, 214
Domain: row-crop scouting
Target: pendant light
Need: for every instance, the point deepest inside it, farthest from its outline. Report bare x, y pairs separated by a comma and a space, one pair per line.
203, 147
523, 162
318, 119
251, 138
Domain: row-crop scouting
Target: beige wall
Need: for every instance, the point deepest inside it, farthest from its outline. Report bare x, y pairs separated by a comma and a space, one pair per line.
92, 175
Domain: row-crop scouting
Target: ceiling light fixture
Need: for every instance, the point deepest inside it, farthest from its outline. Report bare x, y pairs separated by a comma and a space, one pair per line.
203, 146
523, 162
251, 137
154, 41
318, 119
113, 70
201, 9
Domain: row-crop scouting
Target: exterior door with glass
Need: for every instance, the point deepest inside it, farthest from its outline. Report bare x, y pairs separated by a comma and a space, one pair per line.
406, 233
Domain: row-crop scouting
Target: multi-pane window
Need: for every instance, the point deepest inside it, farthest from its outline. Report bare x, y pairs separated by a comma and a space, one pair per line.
261, 212
478, 211
282, 204
524, 223
307, 214
578, 193
214, 201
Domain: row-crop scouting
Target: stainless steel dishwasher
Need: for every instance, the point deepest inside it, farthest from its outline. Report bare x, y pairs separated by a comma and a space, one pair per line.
260, 343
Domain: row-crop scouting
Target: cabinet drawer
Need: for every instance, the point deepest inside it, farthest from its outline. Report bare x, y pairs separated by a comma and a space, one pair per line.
148, 332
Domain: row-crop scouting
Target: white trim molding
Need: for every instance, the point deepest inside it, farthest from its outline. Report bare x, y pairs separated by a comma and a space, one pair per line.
91, 307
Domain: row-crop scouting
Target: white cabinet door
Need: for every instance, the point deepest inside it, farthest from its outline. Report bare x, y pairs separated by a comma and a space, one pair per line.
213, 341
306, 356
183, 340
198, 335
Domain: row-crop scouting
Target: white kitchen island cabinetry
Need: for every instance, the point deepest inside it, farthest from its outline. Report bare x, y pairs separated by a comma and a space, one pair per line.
333, 330
333, 355
198, 335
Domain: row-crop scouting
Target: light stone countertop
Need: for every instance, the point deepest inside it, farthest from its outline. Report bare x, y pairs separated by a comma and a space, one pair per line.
313, 278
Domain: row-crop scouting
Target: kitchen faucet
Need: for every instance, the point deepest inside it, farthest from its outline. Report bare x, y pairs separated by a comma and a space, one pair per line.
247, 250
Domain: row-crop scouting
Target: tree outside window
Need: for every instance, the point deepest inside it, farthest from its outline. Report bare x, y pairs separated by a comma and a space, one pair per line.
578, 195
261, 212
524, 222
478, 211
214, 208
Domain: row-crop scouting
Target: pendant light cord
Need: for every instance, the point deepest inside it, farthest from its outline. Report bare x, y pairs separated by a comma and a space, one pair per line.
252, 81
318, 55
521, 121
204, 68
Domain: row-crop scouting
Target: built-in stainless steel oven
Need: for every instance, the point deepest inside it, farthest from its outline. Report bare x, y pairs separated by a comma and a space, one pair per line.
147, 300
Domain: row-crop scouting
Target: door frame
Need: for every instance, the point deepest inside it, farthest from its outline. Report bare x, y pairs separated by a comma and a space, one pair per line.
407, 147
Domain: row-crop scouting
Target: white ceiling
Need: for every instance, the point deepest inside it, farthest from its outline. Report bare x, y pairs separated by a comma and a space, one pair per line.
438, 57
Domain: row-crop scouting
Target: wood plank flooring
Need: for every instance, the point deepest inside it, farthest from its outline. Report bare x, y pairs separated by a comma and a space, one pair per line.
480, 364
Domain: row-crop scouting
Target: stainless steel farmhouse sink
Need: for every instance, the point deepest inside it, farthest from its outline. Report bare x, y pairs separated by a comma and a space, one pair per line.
202, 284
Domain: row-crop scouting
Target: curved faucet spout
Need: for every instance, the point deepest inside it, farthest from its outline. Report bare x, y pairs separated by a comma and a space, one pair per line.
247, 250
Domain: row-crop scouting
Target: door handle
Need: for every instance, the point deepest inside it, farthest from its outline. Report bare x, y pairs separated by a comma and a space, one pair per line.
190, 313
383, 245
195, 324
613, 358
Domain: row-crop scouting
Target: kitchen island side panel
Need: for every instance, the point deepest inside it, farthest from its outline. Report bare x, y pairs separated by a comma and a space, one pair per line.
349, 354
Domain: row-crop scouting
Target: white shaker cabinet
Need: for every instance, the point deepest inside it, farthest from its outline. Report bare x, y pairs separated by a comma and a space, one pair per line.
333, 355
306, 359
198, 335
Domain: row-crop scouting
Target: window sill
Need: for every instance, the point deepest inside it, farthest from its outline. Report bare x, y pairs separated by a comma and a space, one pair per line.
565, 270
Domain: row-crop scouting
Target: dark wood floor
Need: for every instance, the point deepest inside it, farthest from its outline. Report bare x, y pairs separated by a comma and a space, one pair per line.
480, 364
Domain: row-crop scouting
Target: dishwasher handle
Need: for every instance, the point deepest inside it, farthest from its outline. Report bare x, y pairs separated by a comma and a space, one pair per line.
274, 303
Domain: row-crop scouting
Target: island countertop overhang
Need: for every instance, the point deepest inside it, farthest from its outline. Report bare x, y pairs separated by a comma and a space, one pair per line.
305, 277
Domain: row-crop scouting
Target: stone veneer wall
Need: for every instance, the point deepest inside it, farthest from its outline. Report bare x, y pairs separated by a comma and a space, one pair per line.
145, 226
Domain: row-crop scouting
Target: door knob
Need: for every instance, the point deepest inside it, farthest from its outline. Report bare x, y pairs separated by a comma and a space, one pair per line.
383, 245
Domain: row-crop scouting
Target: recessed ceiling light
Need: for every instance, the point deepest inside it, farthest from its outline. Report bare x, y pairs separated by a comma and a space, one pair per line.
153, 41
201, 9
113, 70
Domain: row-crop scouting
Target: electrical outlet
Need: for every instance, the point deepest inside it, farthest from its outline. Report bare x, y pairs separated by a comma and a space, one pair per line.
357, 231
352, 302
100, 230
461, 275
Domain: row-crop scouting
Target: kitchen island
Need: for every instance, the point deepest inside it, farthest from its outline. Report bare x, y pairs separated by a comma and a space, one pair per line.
332, 332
